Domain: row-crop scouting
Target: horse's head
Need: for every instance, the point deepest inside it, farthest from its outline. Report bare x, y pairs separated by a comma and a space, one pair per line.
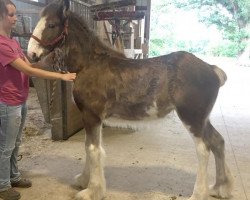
50, 29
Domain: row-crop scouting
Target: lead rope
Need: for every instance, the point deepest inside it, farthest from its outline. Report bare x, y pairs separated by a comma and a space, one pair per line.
54, 85
58, 63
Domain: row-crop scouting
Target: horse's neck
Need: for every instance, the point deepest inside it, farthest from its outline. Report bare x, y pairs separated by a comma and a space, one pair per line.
89, 41
76, 60
85, 47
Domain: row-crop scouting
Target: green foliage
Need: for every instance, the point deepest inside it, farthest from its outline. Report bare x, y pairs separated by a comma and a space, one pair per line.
227, 48
230, 17
164, 46
156, 46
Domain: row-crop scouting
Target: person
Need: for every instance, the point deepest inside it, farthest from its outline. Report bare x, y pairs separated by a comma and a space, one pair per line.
15, 70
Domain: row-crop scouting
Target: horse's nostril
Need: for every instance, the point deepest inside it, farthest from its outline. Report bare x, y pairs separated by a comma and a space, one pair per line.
33, 56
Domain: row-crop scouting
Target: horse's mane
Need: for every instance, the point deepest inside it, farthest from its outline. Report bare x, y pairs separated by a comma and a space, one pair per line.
80, 25
89, 37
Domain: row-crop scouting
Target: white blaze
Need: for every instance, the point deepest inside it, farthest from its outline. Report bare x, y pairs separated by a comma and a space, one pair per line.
33, 46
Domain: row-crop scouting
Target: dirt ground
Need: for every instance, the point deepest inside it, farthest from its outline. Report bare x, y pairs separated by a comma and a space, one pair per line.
156, 163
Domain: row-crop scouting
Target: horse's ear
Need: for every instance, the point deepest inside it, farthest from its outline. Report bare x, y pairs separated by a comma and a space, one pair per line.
66, 5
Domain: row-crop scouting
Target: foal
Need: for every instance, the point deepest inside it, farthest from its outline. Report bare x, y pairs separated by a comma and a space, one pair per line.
110, 85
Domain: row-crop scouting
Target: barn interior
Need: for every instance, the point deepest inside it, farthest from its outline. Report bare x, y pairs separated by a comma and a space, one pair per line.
153, 162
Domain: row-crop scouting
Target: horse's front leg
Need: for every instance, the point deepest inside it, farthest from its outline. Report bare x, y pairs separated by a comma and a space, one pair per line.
82, 180
92, 177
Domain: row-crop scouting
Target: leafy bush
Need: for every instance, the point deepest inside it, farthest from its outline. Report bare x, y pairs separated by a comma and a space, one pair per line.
228, 49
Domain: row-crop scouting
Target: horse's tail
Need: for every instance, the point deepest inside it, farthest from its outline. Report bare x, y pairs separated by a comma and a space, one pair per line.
221, 74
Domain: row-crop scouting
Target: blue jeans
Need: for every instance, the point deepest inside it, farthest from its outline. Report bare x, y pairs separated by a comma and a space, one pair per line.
12, 120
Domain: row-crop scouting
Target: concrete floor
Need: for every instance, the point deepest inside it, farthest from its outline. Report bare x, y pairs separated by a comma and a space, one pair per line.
157, 163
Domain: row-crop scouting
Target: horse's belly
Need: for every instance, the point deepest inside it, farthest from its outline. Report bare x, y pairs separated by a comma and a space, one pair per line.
149, 122
132, 118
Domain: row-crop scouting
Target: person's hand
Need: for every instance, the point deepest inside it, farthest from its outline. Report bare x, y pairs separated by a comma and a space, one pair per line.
69, 76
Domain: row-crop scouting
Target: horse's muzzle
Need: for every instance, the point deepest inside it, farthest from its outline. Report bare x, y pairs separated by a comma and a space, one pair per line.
33, 56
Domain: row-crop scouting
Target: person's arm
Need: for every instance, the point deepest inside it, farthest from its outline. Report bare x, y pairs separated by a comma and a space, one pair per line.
26, 68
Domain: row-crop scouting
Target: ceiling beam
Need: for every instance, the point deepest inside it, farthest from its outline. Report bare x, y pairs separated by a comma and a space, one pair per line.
112, 5
33, 3
120, 15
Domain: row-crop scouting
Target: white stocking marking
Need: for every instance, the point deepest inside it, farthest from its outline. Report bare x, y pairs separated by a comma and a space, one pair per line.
201, 185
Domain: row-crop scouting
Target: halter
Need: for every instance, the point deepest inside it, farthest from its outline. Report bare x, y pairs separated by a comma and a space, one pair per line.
59, 54
56, 40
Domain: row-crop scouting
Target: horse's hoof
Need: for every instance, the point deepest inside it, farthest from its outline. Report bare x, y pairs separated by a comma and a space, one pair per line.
80, 181
84, 195
198, 197
222, 191
89, 194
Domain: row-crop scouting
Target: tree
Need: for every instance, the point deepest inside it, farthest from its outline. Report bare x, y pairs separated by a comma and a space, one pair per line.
232, 17
175, 29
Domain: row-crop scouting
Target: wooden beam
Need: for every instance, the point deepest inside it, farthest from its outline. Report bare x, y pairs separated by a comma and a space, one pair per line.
141, 8
25, 35
106, 32
147, 30
120, 15
112, 5
27, 11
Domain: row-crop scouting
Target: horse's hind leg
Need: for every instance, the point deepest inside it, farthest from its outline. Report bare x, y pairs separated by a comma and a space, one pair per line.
206, 138
195, 121
200, 191
224, 180
93, 175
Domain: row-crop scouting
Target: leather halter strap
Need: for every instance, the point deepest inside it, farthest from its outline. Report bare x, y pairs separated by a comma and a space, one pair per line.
54, 41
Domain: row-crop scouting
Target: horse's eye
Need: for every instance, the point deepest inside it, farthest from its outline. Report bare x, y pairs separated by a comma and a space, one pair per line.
51, 26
